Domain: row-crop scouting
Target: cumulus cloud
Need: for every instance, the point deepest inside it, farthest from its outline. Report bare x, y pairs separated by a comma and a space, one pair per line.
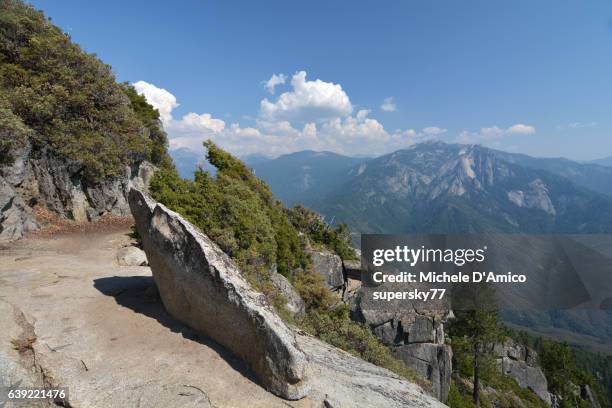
161, 99
274, 81
309, 101
193, 121
494, 133
278, 131
388, 105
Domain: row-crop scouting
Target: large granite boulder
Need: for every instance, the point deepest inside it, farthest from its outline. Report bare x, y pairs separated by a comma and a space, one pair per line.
329, 266
521, 363
202, 287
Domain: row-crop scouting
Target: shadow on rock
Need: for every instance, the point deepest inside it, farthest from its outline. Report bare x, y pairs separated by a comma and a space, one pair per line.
139, 293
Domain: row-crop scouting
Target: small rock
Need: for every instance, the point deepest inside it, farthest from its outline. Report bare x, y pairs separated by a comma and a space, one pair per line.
295, 304
329, 266
131, 256
432, 361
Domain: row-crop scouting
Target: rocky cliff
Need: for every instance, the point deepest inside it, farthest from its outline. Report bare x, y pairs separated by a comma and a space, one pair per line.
415, 335
38, 181
521, 363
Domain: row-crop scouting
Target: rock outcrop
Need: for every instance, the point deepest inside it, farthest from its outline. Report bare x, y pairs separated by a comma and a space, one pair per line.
202, 287
432, 361
329, 266
56, 185
521, 363
295, 304
416, 337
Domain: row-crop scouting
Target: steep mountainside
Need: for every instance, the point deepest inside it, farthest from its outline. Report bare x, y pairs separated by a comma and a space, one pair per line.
72, 139
437, 187
595, 176
300, 177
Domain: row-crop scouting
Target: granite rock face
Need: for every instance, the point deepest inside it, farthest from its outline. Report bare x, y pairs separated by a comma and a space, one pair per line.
329, 266
341, 380
56, 185
432, 361
521, 363
202, 287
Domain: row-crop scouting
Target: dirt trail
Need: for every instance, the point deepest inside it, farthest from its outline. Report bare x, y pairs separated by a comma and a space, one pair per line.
101, 331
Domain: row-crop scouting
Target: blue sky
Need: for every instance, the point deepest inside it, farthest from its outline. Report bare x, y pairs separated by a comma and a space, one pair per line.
521, 75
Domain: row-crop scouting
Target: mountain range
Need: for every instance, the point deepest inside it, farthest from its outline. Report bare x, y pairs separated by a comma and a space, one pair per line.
439, 187
451, 188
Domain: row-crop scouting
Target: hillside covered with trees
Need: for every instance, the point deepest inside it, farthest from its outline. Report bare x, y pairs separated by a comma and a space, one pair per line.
63, 100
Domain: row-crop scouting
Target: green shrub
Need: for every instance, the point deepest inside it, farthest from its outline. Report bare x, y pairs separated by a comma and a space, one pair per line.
458, 400
13, 133
319, 232
236, 210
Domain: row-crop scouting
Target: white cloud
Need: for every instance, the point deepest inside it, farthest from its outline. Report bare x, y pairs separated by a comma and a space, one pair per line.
308, 101
520, 129
193, 122
434, 131
189, 131
279, 132
494, 133
274, 81
388, 105
161, 99
350, 135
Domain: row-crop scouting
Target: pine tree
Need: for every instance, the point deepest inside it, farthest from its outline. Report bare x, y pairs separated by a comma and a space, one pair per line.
479, 329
